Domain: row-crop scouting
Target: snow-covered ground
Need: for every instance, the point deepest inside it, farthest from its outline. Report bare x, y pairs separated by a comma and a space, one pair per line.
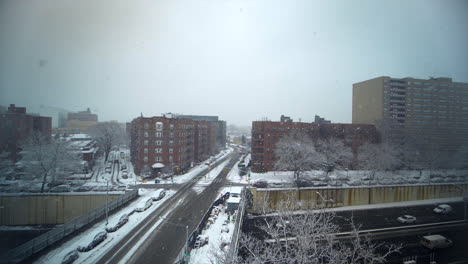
219, 241
83, 239
177, 179
208, 178
355, 178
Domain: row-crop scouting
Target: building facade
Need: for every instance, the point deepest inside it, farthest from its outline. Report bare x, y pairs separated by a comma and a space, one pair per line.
433, 112
80, 122
16, 126
266, 134
172, 141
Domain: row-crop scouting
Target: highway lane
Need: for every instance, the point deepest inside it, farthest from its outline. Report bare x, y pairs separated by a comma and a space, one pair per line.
376, 218
164, 244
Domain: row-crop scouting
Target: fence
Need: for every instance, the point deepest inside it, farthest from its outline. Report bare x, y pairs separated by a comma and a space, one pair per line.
45, 240
232, 254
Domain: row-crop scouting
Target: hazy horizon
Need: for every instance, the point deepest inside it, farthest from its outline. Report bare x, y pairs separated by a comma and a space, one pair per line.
239, 60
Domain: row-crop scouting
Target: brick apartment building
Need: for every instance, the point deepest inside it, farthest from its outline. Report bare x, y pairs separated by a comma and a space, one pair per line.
265, 135
16, 126
173, 141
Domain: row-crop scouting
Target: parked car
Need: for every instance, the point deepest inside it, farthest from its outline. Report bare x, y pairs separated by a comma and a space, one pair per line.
122, 221
108, 170
201, 241
436, 241
157, 180
124, 174
123, 166
443, 209
261, 184
70, 257
407, 219
101, 236
161, 195
148, 204
224, 229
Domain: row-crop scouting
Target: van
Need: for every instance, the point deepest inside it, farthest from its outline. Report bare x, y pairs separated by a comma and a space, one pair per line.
435, 241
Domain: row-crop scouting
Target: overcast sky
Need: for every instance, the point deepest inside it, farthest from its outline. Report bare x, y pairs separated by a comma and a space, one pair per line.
240, 60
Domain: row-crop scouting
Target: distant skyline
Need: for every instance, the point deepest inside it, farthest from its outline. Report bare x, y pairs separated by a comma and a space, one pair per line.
239, 60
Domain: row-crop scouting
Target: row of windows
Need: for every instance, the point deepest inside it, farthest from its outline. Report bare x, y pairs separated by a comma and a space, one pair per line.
157, 142
158, 150
158, 159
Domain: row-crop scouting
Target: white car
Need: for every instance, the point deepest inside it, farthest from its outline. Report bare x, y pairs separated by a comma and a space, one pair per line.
443, 209
407, 219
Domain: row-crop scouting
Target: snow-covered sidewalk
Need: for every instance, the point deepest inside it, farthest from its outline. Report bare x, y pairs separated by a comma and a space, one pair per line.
178, 179
83, 239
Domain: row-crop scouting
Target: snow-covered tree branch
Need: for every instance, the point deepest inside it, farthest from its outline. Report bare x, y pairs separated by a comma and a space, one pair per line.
107, 135
48, 159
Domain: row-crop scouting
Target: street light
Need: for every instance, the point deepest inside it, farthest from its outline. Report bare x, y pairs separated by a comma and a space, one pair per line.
324, 200
107, 200
186, 233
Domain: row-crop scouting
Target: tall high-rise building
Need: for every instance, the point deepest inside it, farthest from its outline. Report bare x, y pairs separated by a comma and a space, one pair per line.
80, 122
433, 113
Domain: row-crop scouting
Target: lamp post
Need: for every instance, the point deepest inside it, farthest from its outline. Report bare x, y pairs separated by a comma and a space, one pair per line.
186, 234
107, 200
324, 200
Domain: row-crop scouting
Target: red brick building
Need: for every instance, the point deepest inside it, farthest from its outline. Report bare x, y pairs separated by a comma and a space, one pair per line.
16, 126
174, 142
265, 135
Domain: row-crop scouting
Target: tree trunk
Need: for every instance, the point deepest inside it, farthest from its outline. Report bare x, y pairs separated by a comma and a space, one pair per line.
44, 180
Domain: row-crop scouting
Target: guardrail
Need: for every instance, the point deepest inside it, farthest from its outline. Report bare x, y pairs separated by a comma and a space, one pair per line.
232, 253
350, 234
45, 240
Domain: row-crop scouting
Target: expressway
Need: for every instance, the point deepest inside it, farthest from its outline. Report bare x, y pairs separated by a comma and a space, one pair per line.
161, 237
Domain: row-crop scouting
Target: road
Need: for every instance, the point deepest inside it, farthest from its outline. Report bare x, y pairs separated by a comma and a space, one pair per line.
376, 218
163, 244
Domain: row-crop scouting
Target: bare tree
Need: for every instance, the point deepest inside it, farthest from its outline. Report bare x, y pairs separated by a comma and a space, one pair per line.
374, 157
107, 134
46, 158
296, 153
334, 152
309, 237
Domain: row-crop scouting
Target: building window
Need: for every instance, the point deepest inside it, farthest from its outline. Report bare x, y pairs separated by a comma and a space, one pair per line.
171, 126
145, 150
158, 142
146, 126
171, 142
171, 134
145, 142
158, 158
158, 150
171, 150
158, 134
146, 134
145, 159
159, 126
170, 159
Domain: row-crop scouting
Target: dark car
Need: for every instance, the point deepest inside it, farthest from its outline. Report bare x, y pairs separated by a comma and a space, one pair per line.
101, 236
122, 221
261, 184
70, 257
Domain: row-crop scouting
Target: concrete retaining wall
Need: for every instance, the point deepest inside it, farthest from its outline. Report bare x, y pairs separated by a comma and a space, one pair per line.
308, 197
48, 209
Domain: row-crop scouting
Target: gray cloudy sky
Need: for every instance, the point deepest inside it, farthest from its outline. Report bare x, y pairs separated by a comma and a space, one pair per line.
241, 60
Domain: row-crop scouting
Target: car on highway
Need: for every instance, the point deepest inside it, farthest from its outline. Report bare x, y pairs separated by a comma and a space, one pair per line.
436, 241
443, 209
407, 219
261, 184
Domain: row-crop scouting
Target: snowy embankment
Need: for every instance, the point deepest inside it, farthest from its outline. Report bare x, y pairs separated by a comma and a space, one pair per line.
83, 239
357, 178
218, 239
178, 179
